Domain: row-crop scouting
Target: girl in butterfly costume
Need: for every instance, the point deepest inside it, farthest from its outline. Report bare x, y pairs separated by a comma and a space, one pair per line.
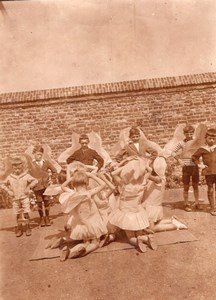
86, 223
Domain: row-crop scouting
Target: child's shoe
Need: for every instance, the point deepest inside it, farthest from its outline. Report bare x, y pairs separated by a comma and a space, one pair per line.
19, 231
64, 253
28, 231
188, 208
178, 223
151, 242
142, 247
213, 211
47, 221
77, 253
42, 222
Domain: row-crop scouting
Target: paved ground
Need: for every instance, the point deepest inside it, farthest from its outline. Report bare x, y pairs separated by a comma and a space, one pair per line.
180, 271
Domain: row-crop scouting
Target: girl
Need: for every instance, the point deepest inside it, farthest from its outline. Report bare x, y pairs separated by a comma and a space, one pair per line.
153, 197
85, 221
130, 215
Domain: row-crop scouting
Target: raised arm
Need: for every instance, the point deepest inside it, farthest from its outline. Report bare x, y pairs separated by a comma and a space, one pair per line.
101, 184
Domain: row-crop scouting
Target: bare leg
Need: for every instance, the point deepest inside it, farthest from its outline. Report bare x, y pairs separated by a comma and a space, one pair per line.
168, 224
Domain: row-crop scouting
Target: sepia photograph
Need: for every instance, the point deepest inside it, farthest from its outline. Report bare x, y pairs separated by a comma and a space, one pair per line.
107, 149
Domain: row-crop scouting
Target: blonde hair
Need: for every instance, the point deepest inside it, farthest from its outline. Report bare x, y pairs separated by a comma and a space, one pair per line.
79, 178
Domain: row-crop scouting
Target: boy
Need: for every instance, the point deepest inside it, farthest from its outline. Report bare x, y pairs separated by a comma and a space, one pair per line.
42, 170
190, 170
208, 154
18, 185
135, 147
85, 154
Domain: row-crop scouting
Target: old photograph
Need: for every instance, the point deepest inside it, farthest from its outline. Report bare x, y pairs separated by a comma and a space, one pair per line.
107, 149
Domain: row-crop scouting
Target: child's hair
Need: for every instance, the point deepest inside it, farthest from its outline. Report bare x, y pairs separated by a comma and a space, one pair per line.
211, 132
79, 178
38, 148
16, 161
62, 176
134, 131
83, 137
188, 128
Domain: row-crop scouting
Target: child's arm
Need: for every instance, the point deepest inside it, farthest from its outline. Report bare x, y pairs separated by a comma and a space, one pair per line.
110, 185
155, 179
196, 159
115, 175
64, 185
101, 183
32, 182
7, 188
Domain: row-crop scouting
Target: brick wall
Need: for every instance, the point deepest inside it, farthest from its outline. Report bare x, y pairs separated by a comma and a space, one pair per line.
158, 105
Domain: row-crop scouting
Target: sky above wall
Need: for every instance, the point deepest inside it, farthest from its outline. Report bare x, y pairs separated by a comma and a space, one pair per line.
62, 43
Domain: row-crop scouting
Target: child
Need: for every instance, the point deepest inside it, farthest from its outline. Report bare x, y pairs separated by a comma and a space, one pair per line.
41, 170
130, 215
153, 197
208, 154
106, 202
189, 169
86, 223
18, 185
135, 147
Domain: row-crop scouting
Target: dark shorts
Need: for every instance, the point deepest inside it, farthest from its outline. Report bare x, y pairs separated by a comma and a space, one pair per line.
40, 197
189, 172
210, 180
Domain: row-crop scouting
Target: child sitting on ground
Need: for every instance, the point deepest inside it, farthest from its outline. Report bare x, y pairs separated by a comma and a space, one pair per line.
86, 223
18, 185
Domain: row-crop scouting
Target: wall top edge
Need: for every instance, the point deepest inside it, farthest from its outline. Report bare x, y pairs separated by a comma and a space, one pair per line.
107, 88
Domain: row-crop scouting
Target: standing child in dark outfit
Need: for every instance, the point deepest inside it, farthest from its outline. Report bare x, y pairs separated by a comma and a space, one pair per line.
18, 185
40, 169
189, 169
208, 154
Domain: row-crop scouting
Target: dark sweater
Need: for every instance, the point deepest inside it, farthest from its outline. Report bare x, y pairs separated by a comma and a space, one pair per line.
86, 157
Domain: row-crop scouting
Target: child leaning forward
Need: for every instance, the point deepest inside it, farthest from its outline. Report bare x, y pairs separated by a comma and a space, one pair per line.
86, 223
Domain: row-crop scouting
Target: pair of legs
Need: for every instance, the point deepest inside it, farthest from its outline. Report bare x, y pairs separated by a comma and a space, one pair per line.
80, 250
20, 221
43, 213
188, 173
211, 183
22, 208
141, 239
167, 224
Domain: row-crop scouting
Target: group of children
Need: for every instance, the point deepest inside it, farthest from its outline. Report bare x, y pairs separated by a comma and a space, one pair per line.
139, 176
23, 182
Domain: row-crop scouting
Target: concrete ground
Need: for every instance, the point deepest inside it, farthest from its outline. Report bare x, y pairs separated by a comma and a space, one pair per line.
178, 271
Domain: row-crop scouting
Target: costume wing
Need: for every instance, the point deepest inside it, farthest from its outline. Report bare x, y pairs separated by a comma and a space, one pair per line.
71, 201
199, 139
95, 143
69, 151
47, 155
177, 137
53, 190
5, 168
133, 169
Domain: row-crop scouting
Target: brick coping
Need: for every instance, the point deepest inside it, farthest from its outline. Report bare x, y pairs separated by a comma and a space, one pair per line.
109, 88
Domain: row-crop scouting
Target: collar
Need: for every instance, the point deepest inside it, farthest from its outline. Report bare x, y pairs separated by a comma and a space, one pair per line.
18, 176
208, 148
34, 160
